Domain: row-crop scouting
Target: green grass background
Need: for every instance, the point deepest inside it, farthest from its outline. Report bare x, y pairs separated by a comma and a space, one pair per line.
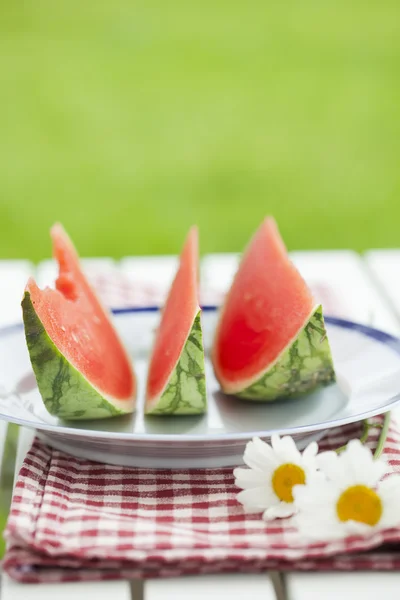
130, 120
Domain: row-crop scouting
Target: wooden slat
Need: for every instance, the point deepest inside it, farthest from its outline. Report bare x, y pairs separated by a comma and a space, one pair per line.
384, 266
217, 271
150, 277
365, 303
345, 273
212, 587
193, 587
150, 269
117, 590
13, 277
339, 274
343, 270
104, 590
47, 270
25, 440
343, 586
3, 435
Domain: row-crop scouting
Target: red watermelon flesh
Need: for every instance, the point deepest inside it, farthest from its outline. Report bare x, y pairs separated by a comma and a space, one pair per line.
179, 334
80, 327
266, 307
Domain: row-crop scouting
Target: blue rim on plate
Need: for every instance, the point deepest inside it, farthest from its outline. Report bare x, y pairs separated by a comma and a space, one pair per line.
388, 340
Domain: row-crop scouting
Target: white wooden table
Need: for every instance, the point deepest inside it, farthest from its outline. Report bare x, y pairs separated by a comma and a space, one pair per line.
368, 289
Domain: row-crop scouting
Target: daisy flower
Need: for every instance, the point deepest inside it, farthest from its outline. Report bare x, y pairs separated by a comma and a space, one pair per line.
273, 472
352, 500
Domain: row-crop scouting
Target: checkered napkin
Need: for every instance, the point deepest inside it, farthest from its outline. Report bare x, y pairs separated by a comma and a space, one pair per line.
117, 290
73, 519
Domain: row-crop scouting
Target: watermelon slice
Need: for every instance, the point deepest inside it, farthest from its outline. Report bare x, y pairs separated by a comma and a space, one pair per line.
81, 367
176, 379
271, 340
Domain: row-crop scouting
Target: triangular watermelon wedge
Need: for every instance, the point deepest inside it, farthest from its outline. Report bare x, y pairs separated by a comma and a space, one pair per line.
176, 379
271, 340
81, 367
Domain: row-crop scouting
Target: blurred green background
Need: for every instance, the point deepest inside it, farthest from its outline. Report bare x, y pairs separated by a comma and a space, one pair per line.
130, 121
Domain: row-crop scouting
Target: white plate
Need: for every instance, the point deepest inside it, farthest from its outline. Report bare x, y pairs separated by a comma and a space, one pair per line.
367, 363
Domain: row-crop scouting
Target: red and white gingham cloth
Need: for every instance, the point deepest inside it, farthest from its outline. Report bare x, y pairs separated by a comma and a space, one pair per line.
73, 519
119, 291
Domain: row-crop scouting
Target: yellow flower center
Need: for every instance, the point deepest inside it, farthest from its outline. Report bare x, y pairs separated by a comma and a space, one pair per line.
359, 503
285, 477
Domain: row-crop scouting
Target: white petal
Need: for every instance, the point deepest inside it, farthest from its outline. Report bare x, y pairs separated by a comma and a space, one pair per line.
252, 500
315, 503
389, 492
286, 449
379, 468
257, 499
358, 461
250, 478
256, 456
265, 449
353, 466
390, 485
314, 476
318, 530
298, 495
317, 491
390, 516
328, 462
354, 528
315, 513
301, 493
311, 451
280, 511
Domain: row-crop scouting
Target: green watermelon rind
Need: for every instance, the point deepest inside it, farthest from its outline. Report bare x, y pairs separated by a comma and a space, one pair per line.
185, 392
66, 393
303, 366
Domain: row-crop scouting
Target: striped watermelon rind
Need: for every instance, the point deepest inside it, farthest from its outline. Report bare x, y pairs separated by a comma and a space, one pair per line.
66, 393
185, 392
304, 364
